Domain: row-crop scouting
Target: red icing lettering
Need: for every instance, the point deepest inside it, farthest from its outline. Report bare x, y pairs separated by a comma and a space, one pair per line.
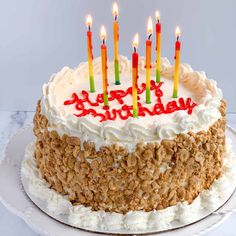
109, 113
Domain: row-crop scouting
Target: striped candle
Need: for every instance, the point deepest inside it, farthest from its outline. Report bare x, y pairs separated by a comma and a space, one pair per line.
116, 42
148, 60
90, 54
104, 66
135, 77
158, 48
177, 63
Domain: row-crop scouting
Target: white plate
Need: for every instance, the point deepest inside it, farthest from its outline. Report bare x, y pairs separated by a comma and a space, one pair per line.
14, 198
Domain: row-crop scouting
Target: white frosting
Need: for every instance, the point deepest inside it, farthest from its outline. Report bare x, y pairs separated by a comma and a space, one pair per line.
134, 221
149, 128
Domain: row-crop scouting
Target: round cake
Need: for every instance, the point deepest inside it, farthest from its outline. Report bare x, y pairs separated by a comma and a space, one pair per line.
104, 158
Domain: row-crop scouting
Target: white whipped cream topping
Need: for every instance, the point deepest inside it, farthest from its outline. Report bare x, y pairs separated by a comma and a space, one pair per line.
149, 128
133, 221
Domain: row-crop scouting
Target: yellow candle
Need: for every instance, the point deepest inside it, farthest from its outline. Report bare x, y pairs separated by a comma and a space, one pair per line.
148, 60
104, 66
158, 48
116, 42
177, 63
135, 76
90, 53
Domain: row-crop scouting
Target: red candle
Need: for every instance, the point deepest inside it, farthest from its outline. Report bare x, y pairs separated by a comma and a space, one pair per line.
135, 76
177, 44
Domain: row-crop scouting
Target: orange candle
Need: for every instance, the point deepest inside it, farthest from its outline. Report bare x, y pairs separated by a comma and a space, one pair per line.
116, 42
89, 21
104, 65
177, 63
135, 76
148, 60
158, 48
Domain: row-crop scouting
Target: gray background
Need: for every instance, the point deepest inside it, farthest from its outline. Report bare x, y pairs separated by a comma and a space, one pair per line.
38, 37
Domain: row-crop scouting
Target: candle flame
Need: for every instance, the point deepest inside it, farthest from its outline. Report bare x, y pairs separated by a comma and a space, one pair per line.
103, 33
157, 13
89, 21
177, 32
149, 26
115, 10
136, 40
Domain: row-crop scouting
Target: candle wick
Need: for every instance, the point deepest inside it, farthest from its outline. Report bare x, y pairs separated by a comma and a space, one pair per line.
149, 37
158, 20
89, 27
135, 49
178, 38
115, 17
103, 41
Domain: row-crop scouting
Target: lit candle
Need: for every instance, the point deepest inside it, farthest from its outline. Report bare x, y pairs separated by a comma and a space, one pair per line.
148, 60
177, 63
89, 21
104, 65
135, 76
158, 48
116, 42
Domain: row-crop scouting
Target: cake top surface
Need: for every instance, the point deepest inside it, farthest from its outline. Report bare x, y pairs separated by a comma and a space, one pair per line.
82, 103
72, 109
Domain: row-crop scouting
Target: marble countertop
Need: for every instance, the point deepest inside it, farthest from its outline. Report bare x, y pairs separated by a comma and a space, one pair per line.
11, 225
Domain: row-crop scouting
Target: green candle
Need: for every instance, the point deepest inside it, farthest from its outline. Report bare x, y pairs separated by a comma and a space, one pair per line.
117, 73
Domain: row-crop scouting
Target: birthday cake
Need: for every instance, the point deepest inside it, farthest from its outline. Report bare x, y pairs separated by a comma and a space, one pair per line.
104, 158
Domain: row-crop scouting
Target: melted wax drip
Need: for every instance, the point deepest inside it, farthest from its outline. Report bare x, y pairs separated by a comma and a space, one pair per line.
126, 111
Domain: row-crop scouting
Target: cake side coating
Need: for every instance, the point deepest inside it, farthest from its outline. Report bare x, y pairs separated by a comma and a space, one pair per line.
153, 176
